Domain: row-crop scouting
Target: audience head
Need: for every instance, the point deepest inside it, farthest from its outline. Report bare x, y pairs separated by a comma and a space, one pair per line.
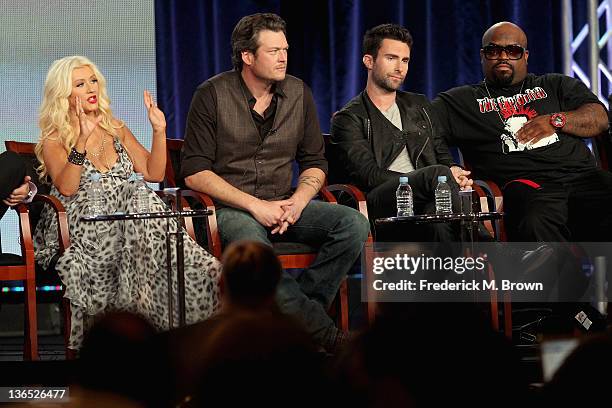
265, 360
248, 38
583, 379
251, 272
504, 54
428, 355
120, 356
386, 50
69, 77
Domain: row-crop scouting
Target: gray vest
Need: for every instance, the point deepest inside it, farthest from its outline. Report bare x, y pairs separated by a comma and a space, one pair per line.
262, 168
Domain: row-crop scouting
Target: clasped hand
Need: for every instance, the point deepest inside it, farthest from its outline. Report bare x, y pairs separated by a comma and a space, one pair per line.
278, 215
461, 177
19, 194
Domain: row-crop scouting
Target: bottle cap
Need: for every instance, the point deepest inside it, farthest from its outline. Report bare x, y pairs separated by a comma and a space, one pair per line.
441, 179
95, 177
403, 180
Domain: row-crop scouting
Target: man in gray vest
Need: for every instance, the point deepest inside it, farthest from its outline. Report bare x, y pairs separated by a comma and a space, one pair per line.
244, 129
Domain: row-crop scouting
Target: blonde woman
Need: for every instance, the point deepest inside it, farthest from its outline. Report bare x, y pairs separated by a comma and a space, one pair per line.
109, 265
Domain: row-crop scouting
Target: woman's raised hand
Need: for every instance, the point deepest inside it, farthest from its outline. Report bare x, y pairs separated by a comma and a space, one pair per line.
156, 116
86, 125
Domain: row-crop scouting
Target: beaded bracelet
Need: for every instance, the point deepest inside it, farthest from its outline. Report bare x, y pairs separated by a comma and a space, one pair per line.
76, 158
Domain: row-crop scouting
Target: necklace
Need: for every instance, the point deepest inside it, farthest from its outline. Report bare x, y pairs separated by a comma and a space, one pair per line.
100, 149
504, 122
102, 152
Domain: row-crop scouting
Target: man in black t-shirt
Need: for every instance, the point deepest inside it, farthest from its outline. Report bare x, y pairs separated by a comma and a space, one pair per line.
526, 133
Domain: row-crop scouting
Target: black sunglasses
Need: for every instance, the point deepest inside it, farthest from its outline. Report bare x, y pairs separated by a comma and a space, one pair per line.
493, 51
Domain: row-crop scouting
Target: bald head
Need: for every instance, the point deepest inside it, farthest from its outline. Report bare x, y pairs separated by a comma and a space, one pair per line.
504, 54
505, 29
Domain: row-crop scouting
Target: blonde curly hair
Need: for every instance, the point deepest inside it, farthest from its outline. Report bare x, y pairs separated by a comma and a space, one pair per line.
54, 116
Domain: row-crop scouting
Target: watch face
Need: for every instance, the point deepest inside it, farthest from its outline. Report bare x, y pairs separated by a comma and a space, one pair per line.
557, 120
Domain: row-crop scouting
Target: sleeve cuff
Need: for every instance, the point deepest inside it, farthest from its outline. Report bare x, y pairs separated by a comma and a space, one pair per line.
32, 193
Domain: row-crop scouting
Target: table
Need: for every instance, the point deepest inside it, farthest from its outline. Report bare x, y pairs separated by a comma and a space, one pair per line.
432, 218
178, 215
470, 220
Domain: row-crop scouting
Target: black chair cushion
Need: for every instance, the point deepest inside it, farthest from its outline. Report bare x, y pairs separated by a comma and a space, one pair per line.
10, 260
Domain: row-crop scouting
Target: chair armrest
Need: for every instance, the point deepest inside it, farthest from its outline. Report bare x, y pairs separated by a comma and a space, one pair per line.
490, 190
356, 195
493, 191
61, 216
212, 232
25, 231
326, 195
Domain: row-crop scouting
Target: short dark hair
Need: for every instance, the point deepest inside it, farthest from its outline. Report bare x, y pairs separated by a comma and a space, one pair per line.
246, 32
251, 272
374, 37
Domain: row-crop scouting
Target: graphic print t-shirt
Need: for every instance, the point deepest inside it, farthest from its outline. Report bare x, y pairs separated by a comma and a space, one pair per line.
483, 126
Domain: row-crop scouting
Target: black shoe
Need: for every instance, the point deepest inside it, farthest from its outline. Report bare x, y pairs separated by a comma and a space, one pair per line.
532, 261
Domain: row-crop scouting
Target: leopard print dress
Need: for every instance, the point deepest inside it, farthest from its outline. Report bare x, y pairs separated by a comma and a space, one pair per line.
121, 265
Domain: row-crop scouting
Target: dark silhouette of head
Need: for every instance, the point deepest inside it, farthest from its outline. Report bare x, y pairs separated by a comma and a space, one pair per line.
120, 356
429, 355
583, 378
264, 360
251, 272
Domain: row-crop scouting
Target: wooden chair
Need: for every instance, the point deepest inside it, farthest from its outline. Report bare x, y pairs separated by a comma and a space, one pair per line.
24, 267
291, 255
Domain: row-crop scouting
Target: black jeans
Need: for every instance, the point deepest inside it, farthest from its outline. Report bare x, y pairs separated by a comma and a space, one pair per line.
11, 176
576, 209
382, 203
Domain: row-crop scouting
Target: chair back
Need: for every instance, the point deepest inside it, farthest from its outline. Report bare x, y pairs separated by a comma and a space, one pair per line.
173, 162
336, 172
601, 146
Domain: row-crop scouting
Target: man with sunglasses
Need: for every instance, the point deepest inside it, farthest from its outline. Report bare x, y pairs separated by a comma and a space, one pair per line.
526, 133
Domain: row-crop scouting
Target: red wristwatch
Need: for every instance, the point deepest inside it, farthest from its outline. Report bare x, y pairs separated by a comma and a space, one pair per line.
557, 120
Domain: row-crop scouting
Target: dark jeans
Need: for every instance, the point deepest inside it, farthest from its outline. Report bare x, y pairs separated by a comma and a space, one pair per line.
382, 203
574, 209
337, 230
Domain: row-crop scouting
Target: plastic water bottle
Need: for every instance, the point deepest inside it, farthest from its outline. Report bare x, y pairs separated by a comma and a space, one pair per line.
404, 198
95, 195
140, 199
444, 203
